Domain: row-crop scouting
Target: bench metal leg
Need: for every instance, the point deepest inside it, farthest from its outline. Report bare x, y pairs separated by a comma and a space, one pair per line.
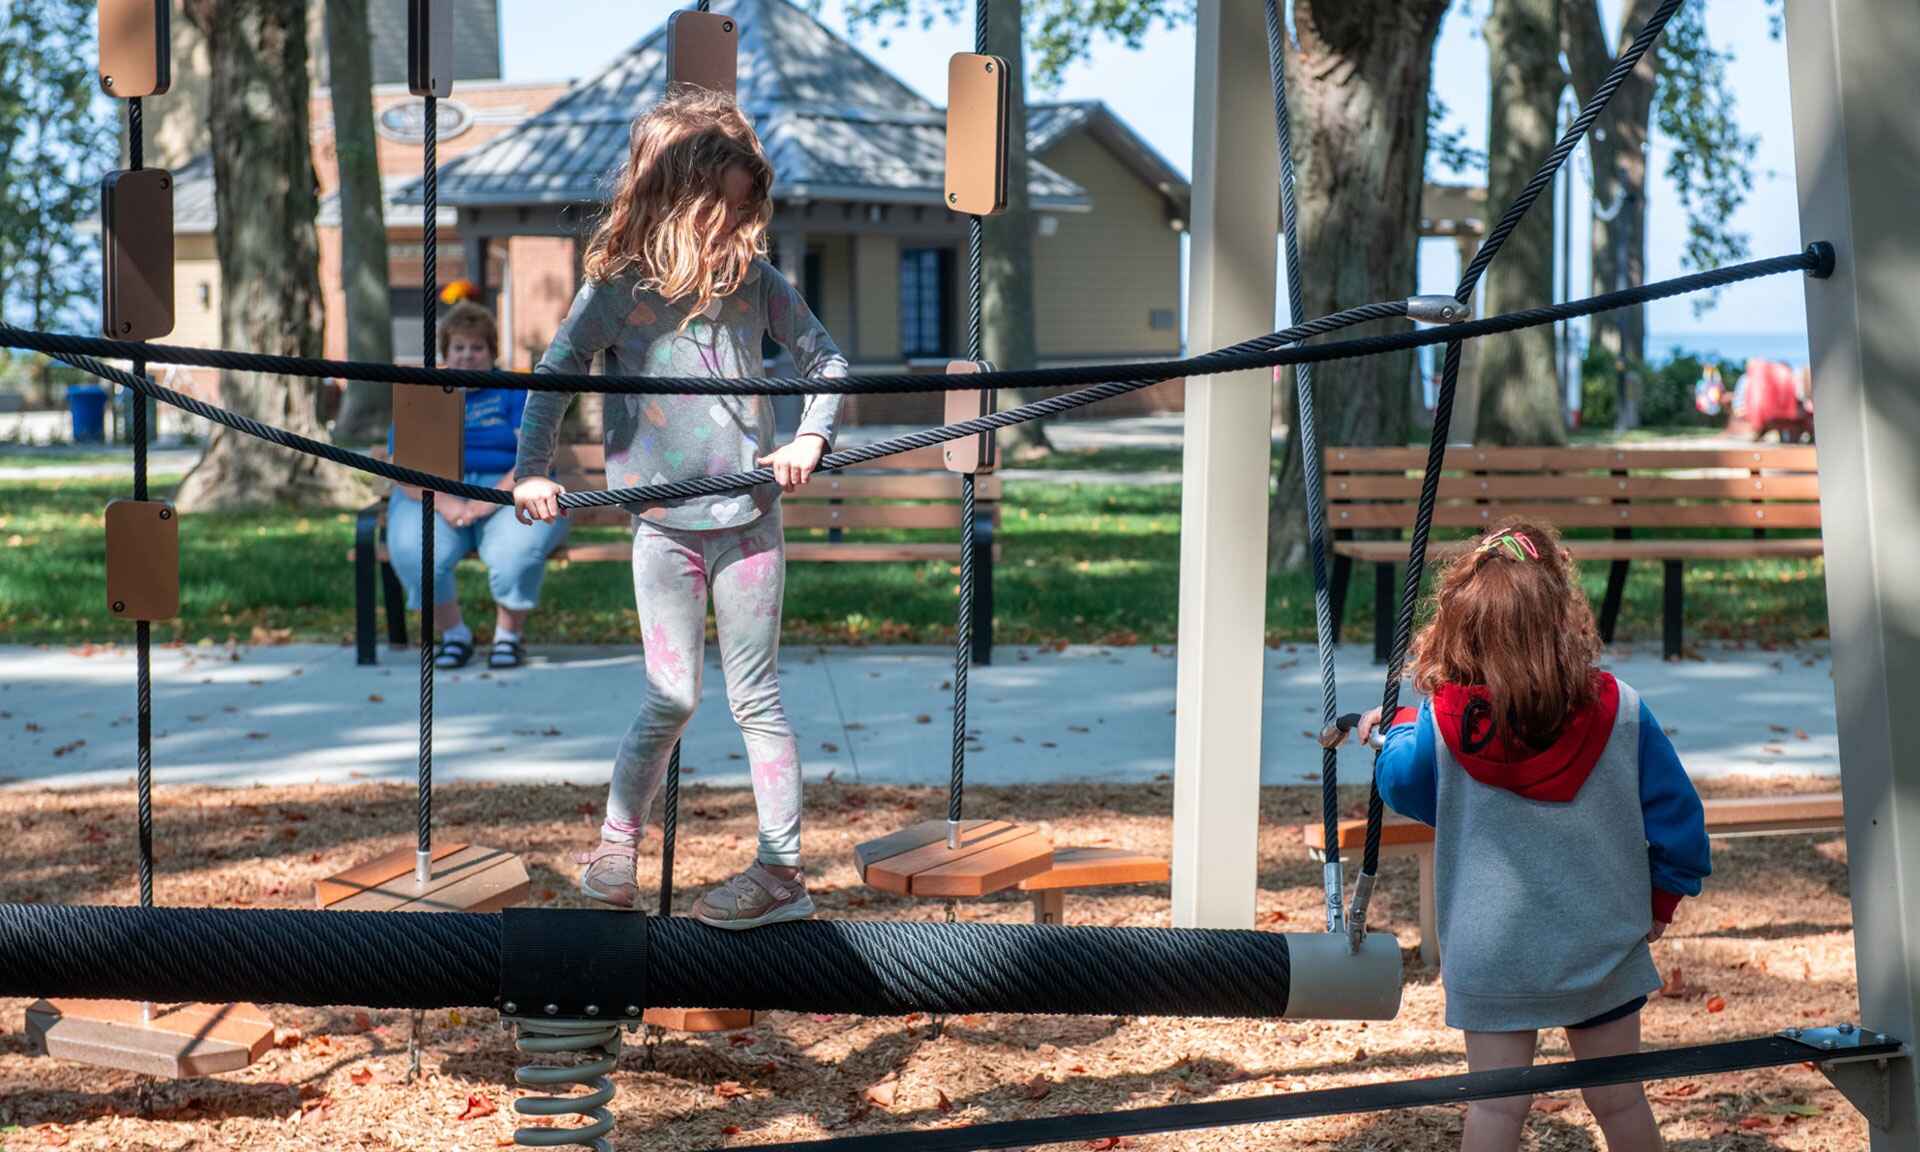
365, 557
1049, 906
396, 596
1610, 604
1674, 611
1385, 611
1342, 573
1429, 912
980, 539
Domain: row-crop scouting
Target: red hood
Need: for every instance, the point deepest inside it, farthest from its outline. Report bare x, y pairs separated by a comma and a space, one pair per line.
1489, 756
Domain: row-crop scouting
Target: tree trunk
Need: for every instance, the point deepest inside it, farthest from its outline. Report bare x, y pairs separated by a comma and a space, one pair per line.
1357, 82
269, 259
1006, 243
367, 407
1519, 397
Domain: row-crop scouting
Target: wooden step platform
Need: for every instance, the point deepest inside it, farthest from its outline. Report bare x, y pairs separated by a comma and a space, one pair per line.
993, 855
179, 1041
701, 1019
466, 878
1089, 868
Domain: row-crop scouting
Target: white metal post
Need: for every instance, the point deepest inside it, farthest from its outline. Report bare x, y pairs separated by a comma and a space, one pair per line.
1223, 503
1857, 151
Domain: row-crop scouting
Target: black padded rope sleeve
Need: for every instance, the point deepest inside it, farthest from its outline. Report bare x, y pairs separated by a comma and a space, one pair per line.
453, 959
1542, 179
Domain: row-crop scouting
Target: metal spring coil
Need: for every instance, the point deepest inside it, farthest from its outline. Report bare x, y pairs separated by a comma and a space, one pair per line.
561, 1037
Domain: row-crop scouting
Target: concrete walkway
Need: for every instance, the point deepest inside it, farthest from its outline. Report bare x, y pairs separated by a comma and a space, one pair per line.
301, 713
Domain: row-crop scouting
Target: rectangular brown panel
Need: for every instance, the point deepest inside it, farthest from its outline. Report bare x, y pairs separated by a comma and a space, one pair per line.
430, 47
136, 57
143, 560
975, 453
703, 50
428, 428
136, 254
976, 134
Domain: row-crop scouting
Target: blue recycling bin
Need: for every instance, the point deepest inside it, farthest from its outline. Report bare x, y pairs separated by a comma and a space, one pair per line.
87, 403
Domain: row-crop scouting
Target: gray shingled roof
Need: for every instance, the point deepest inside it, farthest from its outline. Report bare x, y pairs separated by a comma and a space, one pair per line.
193, 209
1048, 124
836, 125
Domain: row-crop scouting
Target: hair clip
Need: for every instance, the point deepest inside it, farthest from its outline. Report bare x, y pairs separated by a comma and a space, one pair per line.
1518, 546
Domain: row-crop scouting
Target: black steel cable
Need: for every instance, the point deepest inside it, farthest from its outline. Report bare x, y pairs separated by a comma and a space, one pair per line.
1450, 377
669, 830
1265, 351
1306, 429
963, 625
429, 355
142, 629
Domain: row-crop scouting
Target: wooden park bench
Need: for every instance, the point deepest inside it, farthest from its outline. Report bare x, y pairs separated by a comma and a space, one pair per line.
1666, 504
836, 517
1737, 816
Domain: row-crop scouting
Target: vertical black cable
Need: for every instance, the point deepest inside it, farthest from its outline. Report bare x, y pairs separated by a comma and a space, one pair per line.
142, 630
1542, 179
963, 630
669, 831
429, 300
1306, 430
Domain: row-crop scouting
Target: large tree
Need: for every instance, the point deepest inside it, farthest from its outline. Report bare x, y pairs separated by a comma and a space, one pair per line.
55, 143
1358, 73
265, 202
367, 407
1518, 395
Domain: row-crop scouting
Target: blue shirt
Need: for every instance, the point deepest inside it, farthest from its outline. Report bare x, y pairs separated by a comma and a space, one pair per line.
491, 437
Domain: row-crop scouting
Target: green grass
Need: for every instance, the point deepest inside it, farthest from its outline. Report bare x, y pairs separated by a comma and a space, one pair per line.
1083, 563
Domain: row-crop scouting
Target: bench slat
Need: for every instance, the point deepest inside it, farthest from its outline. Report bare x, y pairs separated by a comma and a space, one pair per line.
1586, 487
1584, 515
1092, 867
1786, 458
1387, 551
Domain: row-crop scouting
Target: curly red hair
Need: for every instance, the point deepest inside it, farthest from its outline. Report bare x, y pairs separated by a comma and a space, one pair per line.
1510, 617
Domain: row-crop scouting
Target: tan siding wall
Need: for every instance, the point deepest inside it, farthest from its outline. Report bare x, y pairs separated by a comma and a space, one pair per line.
877, 285
835, 308
1100, 275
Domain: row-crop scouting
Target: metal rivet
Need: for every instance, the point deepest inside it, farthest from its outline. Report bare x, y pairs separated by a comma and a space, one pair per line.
126, 326
553, 1009
509, 1007
107, 81
119, 605
726, 26
989, 65
953, 197
633, 1009
165, 183
593, 1009
166, 513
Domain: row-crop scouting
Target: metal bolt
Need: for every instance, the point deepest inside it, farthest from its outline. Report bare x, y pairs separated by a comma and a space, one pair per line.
553, 1009
106, 81
165, 183
1846, 1029
166, 513
119, 605
726, 26
1793, 1033
953, 197
126, 326
633, 1009
1826, 1043
593, 1009
989, 65
510, 1008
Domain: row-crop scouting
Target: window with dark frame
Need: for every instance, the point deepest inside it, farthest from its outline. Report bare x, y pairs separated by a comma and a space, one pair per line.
926, 322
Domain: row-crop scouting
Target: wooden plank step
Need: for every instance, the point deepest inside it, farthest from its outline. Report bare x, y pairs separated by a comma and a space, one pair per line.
1093, 867
466, 878
1725, 816
701, 1019
180, 1041
917, 862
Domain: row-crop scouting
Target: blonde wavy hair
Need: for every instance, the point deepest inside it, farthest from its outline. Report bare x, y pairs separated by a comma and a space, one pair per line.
668, 219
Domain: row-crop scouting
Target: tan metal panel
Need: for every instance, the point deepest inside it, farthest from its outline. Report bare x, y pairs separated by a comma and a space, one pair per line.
143, 560
136, 57
430, 48
136, 252
976, 134
703, 51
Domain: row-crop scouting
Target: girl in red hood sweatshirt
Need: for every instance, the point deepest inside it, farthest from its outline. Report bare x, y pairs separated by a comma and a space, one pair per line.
1565, 830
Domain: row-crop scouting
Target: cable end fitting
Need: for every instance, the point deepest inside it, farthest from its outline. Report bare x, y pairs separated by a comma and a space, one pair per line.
1437, 310
1823, 259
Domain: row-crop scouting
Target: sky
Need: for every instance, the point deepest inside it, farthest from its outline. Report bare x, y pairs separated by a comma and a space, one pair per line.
1152, 89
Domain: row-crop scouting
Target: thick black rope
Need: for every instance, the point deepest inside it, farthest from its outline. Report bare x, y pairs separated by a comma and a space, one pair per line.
669, 830
429, 354
1443, 402
142, 630
1265, 351
453, 959
1306, 429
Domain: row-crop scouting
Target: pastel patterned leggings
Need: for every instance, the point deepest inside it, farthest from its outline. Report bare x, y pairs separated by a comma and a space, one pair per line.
673, 572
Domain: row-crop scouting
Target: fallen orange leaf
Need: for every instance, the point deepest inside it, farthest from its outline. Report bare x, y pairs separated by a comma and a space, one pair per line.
477, 1106
361, 1077
730, 1130
882, 1093
1716, 1004
729, 1089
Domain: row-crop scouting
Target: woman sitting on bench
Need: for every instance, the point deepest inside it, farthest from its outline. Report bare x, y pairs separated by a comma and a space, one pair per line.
515, 554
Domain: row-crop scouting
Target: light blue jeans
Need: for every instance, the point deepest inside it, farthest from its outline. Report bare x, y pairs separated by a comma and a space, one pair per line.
515, 554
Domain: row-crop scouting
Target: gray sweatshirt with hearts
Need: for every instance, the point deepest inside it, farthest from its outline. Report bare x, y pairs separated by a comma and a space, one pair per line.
659, 439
